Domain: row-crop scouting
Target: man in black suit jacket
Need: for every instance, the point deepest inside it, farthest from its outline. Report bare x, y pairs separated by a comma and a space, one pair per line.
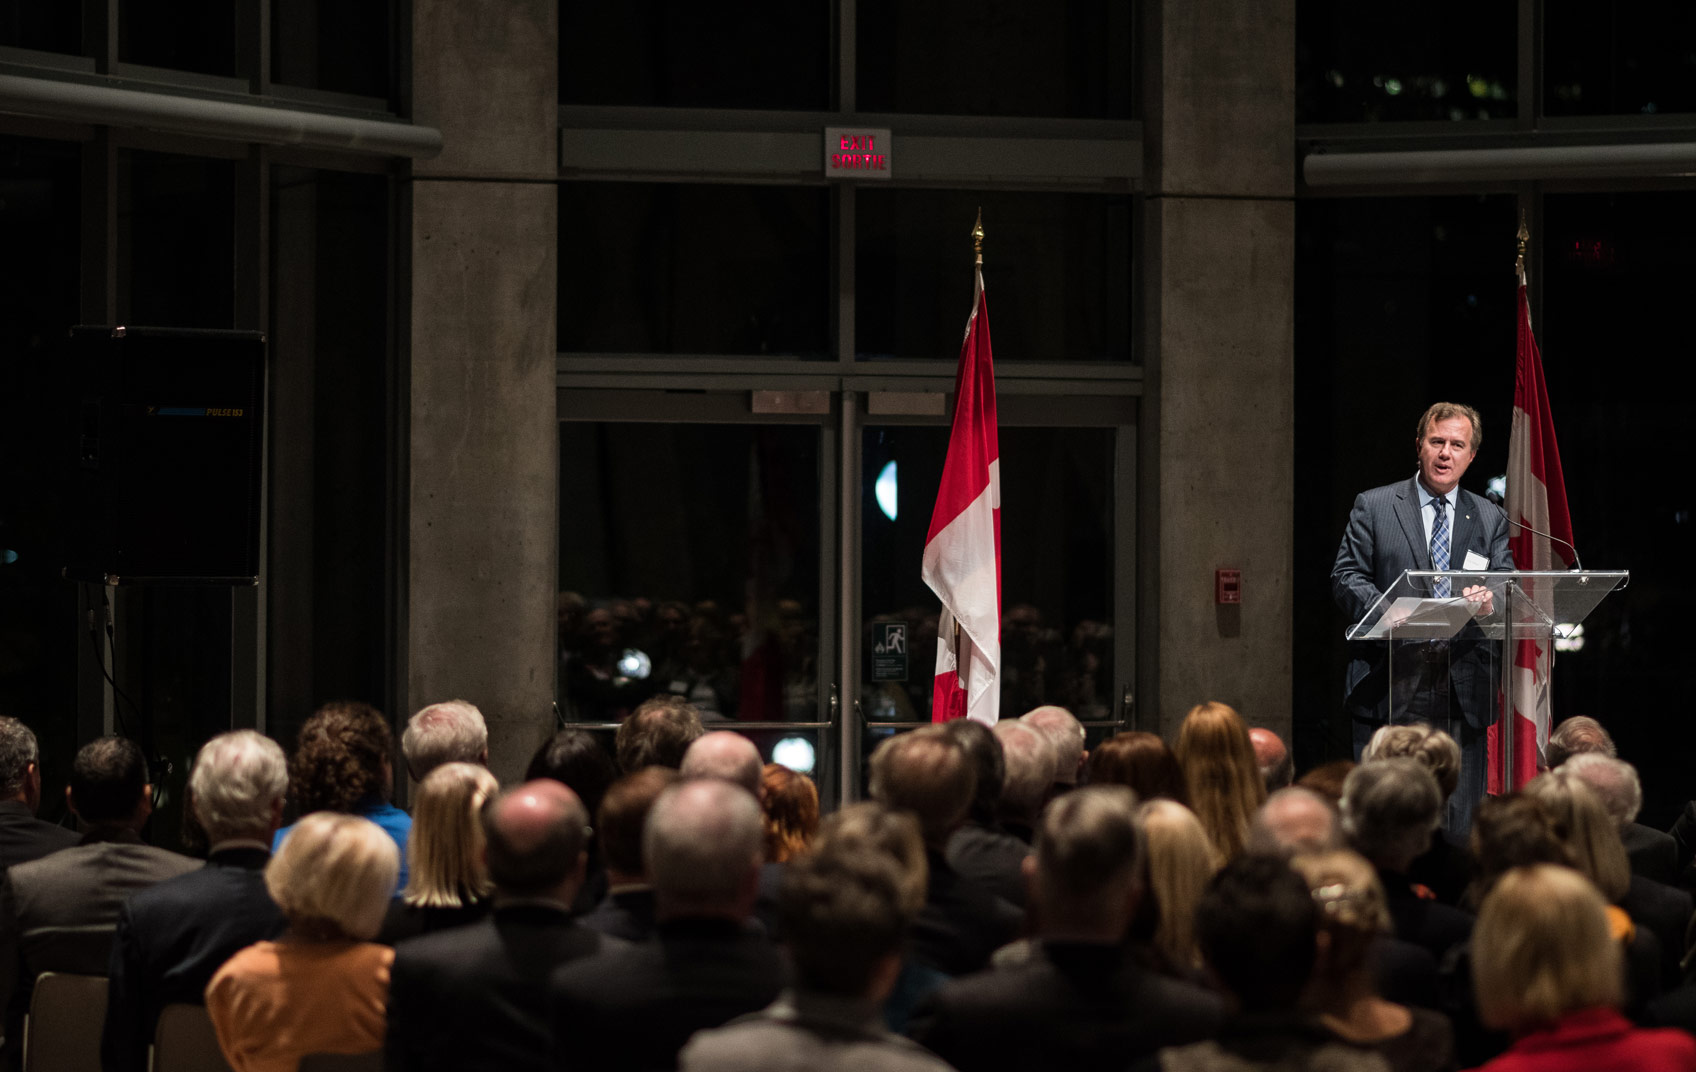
1078, 1003
627, 910
173, 936
23, 837
1652, 854
475, 997
1391, 530
634, 1008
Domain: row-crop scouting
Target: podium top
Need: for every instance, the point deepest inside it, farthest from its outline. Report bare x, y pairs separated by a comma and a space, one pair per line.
1523, 603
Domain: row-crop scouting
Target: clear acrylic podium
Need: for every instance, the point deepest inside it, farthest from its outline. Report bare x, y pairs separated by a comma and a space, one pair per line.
1437, 645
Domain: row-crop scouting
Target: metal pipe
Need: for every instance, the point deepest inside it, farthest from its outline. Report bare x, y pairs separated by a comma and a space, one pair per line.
75, 102
1416, 166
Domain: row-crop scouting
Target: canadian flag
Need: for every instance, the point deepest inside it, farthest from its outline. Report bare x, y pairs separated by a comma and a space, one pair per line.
962, 563
1536, 499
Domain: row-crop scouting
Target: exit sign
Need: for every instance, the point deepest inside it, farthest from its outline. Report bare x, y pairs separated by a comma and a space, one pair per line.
857, 153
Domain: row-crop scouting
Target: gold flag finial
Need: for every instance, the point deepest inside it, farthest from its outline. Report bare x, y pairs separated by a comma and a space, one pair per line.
977, 237
1523, 236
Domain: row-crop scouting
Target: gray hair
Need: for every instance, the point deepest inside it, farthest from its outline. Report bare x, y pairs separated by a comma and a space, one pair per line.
449, 732
1067, 733
703, 840
1389, 809
1290, 822
1614, 781
727, 756
1576, 735
1028, 754
17, 751
1089, 850
235, 783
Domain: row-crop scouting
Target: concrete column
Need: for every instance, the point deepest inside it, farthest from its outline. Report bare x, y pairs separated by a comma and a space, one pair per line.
1216, 430
483, 467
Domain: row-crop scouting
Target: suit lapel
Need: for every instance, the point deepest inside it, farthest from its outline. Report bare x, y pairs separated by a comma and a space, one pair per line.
1466, 525
1407, 512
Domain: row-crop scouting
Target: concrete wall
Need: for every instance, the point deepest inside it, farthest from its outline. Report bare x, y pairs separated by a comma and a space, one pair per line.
1218, 444
483, 479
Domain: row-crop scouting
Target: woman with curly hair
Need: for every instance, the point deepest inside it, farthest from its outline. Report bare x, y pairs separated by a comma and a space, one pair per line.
343, 763
1221, 773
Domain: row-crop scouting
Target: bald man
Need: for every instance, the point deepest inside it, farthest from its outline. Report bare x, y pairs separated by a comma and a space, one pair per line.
1067, 733
1294, 820
1277, 770
727, 756
475, 997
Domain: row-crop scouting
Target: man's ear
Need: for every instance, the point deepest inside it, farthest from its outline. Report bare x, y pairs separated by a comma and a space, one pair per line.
1027, 869
32, 786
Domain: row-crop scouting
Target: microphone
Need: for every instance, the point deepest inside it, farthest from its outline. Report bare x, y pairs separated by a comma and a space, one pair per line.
1576, 564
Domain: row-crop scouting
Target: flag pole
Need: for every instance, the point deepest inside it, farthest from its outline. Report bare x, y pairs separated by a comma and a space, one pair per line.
1523, 236
965, 664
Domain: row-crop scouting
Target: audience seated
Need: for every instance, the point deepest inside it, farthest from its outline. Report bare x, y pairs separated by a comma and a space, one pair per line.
476, 997
627, 910
1389, 809
172, 936
634, 1008
1181, 861
58, 913
1294, 820
576, 760
1220, 770
1028, 757
1446, 867
1353, 920
980, 850
1078, 1003
448, 882
1067, 733
23, 837
1259, 932
342, 764
926, 772
1651, 853
1546, 969
657, 734
448, 732
1277, 766
323, 986
1143, 763
846, 909
791, 806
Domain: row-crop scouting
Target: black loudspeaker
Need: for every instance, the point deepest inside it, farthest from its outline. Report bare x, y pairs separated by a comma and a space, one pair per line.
164, 441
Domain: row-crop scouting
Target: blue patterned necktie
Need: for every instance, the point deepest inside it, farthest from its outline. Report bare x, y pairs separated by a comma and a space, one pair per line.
1440, 547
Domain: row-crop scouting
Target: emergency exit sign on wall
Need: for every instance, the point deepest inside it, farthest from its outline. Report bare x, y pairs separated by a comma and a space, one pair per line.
857, 153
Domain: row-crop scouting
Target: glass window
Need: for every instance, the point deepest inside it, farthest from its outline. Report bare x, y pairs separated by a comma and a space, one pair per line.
1400, 302
1001, 58
1603, 57
1449, 59
336, 46
176, 240
185, 35
773, 54
1057, 616
687, 269
689, 565
44, 27
1057, 268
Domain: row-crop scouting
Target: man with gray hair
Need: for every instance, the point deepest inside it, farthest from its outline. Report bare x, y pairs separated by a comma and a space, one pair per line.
449, 732
1067, 733
1389, 809
635, 1008
727, 756
1294, 820
1028, 759
1078, 1002
1575, 736
23, 837
1653, 854
173, 936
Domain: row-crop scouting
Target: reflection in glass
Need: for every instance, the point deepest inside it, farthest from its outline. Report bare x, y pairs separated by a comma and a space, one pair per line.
1603, 57
1450, 59
185, 35
689, 566
1057, 571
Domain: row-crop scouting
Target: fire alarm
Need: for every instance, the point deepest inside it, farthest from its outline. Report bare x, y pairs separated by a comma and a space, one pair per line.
1227, 586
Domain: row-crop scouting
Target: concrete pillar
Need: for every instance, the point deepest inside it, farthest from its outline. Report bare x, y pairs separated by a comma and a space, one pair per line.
483, 468
1218, 445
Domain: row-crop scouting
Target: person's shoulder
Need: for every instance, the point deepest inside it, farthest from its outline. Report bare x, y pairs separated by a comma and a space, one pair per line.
1386, 493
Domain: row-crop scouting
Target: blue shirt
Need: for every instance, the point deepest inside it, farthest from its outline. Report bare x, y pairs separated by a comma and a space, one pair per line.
395, 823
1428, 514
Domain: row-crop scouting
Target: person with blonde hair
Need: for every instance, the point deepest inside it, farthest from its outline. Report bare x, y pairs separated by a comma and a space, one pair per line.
448, 881
1221, 772
1446, 867
791, 806
1342, 990
1546, 969
323, 986
1181, 860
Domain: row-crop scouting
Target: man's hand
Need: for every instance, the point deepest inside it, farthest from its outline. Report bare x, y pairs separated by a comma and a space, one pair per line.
1480, 594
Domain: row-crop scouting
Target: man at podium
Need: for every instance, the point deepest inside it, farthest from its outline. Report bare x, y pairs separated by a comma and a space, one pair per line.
1426, 522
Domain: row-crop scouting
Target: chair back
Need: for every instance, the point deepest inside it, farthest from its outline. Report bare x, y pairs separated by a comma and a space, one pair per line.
66, 1016
186, 1042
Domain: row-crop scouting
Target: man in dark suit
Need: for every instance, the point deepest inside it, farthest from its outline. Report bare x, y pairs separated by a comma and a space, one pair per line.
23, 837
171, 937
979, 849
59, 912
634, 1008
627, 911
1079, 1003
1653, 854
475, 997
1423, 523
